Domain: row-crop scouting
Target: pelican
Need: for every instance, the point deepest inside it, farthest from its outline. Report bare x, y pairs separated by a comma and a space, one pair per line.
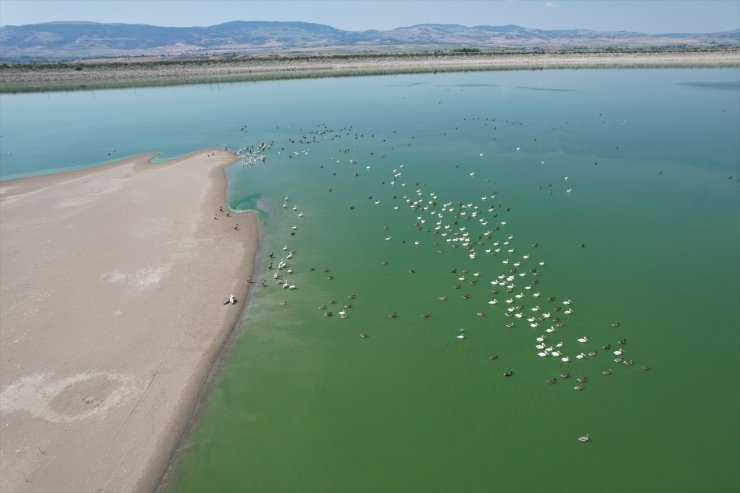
606, 372
556, 354
584, 438
583, 340
542, 354
618, 352
580, 356
342, 314
565, 359
461, 336
492, 302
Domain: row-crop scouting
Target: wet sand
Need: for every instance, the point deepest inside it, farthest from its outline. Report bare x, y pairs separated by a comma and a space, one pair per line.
112, 290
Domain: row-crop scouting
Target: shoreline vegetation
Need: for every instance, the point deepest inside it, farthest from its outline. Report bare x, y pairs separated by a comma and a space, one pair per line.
99, 388
153, 71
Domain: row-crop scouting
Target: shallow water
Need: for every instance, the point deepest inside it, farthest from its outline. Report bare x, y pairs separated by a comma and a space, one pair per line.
648, 236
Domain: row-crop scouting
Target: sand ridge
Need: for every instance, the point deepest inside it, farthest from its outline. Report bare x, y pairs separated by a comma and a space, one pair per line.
112, 283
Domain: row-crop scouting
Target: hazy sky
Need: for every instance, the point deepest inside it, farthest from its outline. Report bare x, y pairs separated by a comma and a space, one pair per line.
652, 16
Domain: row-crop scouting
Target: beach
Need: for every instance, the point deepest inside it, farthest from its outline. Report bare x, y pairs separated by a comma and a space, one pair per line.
148, 71
113, 282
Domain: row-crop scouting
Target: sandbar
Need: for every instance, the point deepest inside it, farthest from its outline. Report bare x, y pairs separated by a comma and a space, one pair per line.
112, 289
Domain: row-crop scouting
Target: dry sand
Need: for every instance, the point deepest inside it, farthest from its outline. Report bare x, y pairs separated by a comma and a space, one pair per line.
112, 283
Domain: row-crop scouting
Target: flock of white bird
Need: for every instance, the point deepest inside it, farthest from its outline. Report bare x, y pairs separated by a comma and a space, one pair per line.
475, 228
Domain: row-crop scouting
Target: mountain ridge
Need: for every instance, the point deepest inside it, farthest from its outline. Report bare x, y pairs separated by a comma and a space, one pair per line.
80, 39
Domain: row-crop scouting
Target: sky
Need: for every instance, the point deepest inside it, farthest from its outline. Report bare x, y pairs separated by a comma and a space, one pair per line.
648, 16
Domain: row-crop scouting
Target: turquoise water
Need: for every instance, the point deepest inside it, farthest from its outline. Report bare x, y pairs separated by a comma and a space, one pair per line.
644, 233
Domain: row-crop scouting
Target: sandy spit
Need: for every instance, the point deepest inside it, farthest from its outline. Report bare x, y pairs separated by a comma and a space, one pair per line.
166, 71
112, 314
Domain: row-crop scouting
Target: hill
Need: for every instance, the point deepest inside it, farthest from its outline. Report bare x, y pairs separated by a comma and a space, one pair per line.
74, 40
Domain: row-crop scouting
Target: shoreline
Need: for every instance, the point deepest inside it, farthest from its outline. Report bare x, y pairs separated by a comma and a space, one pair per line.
100, 388
158, 481
125, 73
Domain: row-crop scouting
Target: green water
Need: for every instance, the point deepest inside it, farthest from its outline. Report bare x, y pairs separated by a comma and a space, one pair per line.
647, 237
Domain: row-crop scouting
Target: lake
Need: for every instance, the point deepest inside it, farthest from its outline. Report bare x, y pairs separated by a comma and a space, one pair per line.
549, 225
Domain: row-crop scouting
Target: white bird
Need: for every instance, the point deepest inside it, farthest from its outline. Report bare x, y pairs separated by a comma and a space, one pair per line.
580, 356
542, 354
618, 352
565, 359
583, 340
461, 336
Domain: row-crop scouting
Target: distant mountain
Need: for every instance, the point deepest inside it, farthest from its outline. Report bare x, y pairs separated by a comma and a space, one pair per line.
65, 40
